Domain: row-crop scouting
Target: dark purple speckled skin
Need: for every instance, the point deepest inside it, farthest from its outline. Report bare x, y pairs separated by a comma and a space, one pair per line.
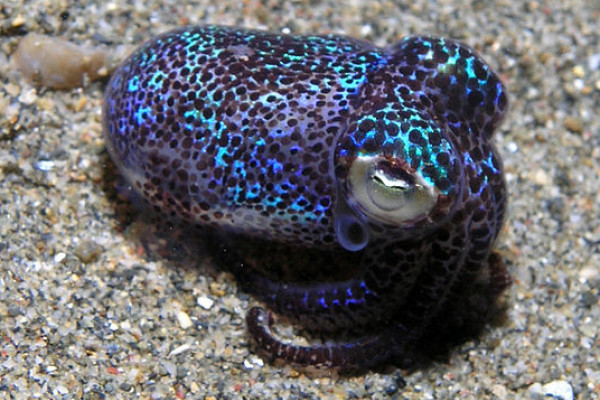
308, 152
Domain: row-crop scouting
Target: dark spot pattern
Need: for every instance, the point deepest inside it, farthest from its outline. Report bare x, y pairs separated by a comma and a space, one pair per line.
253, 135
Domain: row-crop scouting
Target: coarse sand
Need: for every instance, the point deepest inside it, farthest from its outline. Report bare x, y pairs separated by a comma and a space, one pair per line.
95, 305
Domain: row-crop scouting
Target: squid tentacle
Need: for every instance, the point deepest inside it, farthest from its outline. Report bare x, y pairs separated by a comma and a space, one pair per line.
370, 298
360, 353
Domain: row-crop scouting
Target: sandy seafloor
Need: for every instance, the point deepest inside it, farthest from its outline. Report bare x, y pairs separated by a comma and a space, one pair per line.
87, 312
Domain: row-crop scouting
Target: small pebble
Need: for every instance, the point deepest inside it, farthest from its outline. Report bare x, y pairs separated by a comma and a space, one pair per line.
573, 124
536, 392
542, 178
205, 302
499, 391
61, 390
88, 251
126, 387
252, 362
588, 299
184, 320
391, 389
194, 388
181, 372
59, 257
45, 165
560, 390
594, 62
181, 349
28, 97
169, 368
14, 311
18, 21
512, 147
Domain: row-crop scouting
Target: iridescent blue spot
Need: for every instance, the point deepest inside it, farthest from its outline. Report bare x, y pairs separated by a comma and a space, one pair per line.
134, 84
142, 114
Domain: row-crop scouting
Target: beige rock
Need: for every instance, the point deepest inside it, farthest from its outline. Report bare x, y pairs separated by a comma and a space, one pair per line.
56, 63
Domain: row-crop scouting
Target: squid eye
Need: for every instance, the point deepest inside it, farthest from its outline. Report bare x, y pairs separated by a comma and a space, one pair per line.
385, 191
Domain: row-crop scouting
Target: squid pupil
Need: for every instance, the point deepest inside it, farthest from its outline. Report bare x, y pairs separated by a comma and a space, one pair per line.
393, 176
386, 182
355, 233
